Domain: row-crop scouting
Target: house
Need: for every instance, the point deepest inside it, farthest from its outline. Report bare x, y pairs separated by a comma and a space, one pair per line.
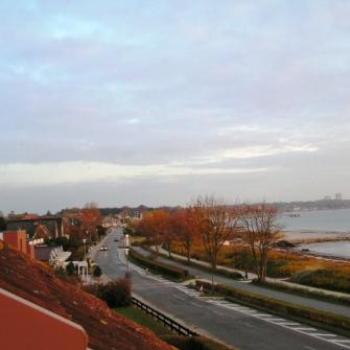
53, 224
54, 255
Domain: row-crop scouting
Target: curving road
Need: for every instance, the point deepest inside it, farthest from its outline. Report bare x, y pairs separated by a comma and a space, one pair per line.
242, 327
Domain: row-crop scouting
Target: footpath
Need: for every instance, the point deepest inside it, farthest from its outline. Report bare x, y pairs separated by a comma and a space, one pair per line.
284, 296
275, 281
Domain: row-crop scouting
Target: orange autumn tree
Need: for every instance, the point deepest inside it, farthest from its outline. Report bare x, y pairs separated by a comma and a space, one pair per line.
155, 226
217, 223
90, 218
185, 229
260, 232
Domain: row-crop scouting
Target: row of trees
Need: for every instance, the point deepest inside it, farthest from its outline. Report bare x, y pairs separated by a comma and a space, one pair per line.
213, 223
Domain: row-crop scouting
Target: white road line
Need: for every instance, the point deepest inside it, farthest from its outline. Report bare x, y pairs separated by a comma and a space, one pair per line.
297, 327
277, 320
327, 335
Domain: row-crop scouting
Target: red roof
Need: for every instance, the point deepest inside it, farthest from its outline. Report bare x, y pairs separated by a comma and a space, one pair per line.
106, 329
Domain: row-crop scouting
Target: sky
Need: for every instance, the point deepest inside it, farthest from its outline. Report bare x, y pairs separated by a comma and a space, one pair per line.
156, 102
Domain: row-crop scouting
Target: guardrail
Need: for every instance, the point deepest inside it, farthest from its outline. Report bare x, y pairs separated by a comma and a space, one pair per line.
167, 321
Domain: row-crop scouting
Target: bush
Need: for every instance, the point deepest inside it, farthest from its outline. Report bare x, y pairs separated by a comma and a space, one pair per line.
158, 267
194, 343
324, 278
97, 272
231, 274
115, 294
70, 269
60, 271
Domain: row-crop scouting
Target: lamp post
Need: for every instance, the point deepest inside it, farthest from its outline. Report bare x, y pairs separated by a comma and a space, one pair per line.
126, 250
84, 242
127, 261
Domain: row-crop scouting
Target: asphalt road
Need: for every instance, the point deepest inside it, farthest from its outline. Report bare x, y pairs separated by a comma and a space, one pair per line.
325, 306
244, 328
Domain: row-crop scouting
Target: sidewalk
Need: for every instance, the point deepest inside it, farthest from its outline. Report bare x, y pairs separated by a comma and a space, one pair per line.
275, 281
284, 296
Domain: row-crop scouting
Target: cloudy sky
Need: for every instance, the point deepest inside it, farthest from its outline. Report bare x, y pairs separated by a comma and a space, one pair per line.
156, 102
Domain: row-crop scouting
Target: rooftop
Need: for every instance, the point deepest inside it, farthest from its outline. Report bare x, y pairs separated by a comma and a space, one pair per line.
106, 329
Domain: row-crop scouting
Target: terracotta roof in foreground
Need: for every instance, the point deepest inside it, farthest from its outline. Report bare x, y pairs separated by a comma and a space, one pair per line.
36, 282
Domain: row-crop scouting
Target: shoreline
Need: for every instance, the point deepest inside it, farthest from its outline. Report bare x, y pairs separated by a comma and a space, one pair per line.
309, 237
321, 256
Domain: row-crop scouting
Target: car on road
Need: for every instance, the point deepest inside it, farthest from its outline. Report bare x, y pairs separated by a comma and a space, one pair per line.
103, 248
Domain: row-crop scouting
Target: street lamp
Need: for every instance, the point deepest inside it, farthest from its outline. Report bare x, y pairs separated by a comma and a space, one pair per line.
127, 261
84, 242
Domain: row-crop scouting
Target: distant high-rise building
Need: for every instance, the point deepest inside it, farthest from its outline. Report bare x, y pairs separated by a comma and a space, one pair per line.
338, 196
327, 198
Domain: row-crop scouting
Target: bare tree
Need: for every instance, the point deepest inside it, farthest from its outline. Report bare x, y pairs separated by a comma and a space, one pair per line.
260, 232
185, 230
217, 224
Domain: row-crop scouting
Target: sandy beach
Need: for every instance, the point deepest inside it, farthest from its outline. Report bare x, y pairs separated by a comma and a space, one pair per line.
303, 237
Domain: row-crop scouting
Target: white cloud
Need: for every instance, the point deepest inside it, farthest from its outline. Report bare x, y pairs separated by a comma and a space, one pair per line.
24, 174
250, 152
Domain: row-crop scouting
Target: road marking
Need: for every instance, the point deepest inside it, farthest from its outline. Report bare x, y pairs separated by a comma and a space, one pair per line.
290, 324
297, 327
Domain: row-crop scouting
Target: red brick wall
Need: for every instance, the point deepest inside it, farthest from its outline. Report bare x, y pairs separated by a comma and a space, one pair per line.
16, 240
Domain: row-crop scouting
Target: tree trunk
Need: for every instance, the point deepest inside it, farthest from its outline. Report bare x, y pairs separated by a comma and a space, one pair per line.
169, 249
188, 255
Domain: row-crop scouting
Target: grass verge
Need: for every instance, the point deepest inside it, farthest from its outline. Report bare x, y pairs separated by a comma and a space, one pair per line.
168, 271
180, 342
136, 315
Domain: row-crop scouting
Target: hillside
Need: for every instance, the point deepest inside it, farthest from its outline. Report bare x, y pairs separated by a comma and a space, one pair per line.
38, 284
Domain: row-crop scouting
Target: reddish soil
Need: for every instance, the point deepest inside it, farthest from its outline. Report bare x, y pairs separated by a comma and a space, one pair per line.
37, 283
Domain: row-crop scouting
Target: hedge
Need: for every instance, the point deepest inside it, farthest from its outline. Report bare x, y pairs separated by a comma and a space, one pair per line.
158, 267
318, 294
194, 343
230, 274
313, 316
115, 293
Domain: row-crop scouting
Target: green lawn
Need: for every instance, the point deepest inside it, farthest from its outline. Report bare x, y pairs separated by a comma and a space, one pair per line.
143, 319
180, 342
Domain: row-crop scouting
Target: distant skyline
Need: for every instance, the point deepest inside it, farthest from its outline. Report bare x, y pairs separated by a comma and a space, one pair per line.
157, 102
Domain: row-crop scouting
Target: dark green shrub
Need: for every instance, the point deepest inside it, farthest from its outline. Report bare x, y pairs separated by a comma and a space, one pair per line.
70, 269
231, 274
115, 294
97, 272
158, 267
275, 268
194, 343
